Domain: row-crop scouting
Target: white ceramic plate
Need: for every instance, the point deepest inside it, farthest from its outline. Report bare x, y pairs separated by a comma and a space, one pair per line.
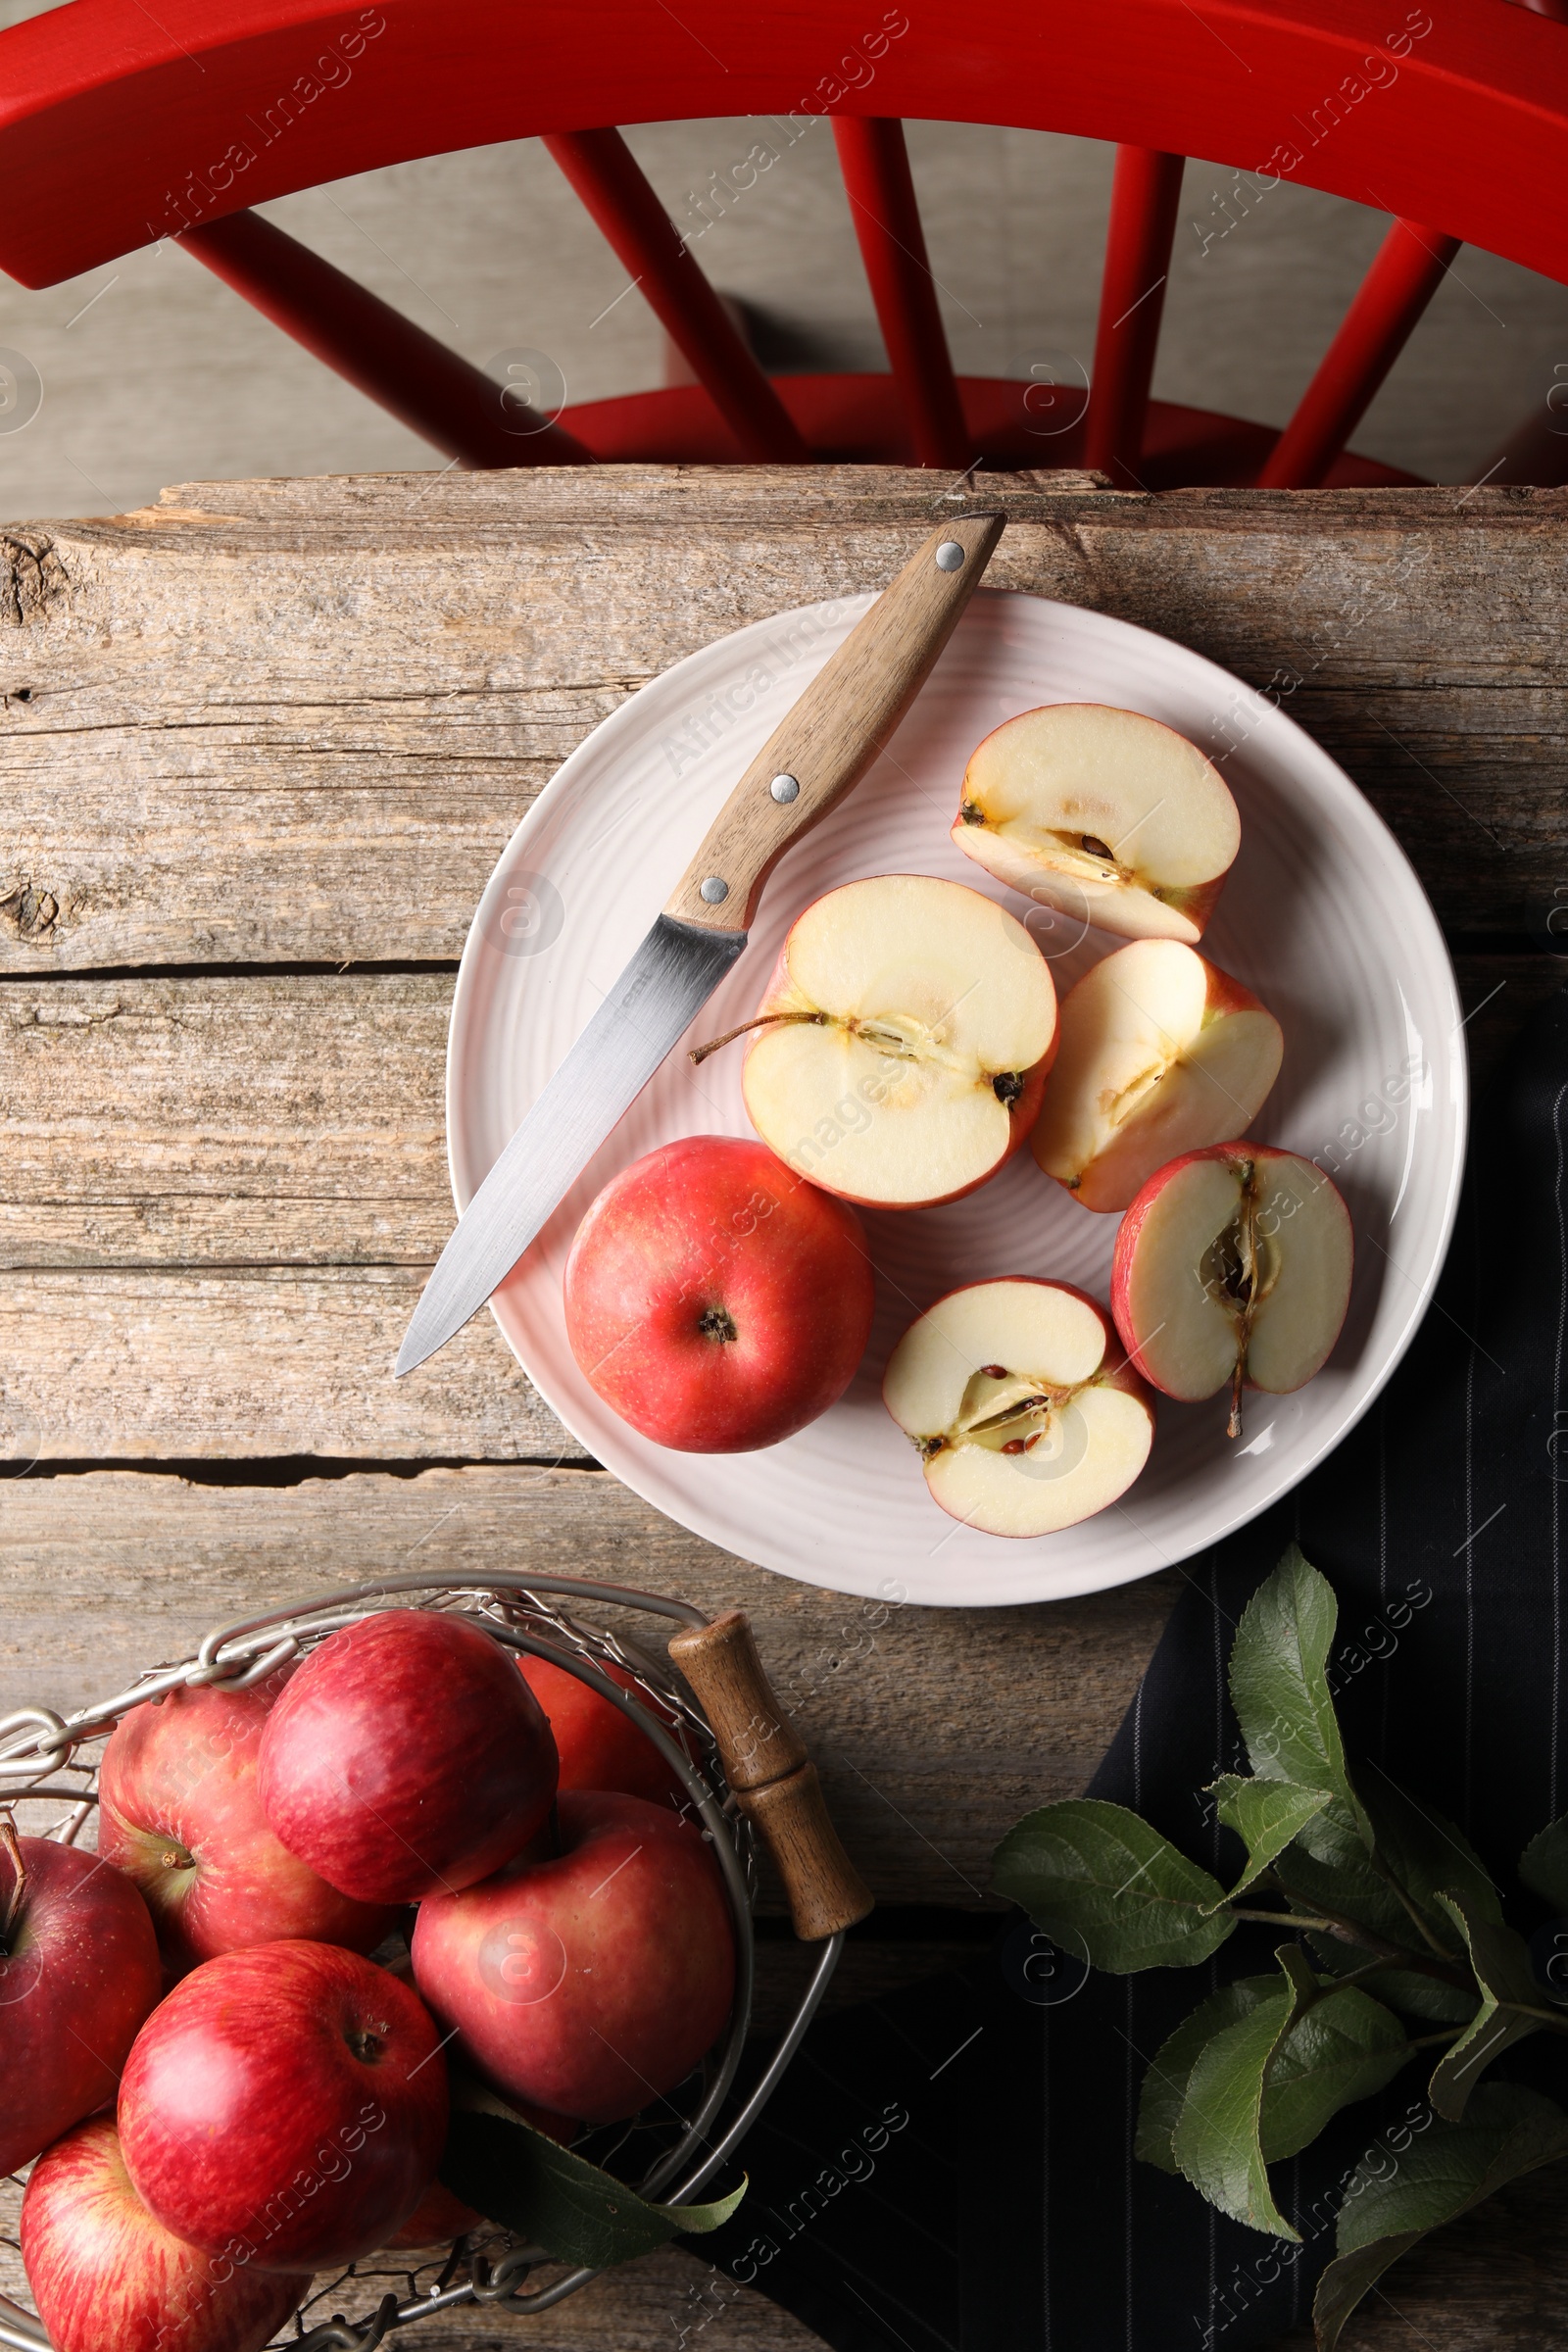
1322, 915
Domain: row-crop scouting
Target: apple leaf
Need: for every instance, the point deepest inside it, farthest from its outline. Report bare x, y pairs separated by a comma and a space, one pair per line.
1343, 2046
1217, 2141
1280, 1689
553, 2199
1428, 1855
1267, 1815
1544, 1864
1159, 2105
1394, 2197
1510, 2005
1110, 1889
1328, 1869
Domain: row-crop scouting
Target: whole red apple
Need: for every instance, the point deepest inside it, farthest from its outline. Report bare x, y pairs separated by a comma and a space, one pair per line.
599, 1746
406, 1756
285, 2107
716, 1300
180, 1812
592, 1983
78, 1972
107, 2277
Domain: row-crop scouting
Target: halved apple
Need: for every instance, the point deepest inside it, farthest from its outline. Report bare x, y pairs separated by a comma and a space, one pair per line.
902, 1047
1233, 1269
1160, 1053
1021, 1426
1104, 814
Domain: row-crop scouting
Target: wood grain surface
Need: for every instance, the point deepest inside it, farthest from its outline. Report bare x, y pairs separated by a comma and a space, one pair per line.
259, 747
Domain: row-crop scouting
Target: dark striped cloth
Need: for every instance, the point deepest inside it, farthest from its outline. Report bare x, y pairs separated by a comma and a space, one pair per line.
950, 2169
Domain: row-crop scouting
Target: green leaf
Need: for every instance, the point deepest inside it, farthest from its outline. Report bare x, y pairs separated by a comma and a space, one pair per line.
1396, 2196
1343, 2046
1267, 1815
1544, 1864
1218, 2140
553, 2199
1508, 1993
1110, 1889
1428, 1855
1279, 1684
1328, 1870
1159, 2105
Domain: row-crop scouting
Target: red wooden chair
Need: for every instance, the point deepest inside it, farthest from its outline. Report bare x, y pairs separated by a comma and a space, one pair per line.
119, 125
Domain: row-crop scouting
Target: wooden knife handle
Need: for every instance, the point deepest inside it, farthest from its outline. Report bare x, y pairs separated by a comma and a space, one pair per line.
776, 1786
833, 733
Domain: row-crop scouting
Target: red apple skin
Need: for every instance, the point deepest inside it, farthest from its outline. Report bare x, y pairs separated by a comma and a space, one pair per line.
437, 2219
592, 1983
406, 1756
1131, 1224
107, 2277
1021, 1114
285, 2107
705, 1239
598, 1746
178, 1778
80, 1972
440, 2216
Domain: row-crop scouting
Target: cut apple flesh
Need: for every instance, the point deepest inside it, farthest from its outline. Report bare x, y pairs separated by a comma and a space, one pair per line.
1104, 814
1236, 1269
1159, 1055
898, 1056
1021, 1428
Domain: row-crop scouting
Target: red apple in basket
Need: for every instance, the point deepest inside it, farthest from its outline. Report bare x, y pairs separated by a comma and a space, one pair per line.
1161, 1053
285, 2107
407, 1754
902, 1047
1103, 814
592, 1983
599, 1746
78, 1972
180, 1812
1233, 1269
714, 1299
107, 2277
1024, 1412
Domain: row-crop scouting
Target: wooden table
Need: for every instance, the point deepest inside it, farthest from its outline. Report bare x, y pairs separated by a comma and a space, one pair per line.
259, 747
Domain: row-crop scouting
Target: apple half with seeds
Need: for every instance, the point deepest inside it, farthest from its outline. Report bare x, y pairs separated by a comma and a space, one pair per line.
900, 1052
1104, 814
1160, 1053
1018, 1398
1232, 1270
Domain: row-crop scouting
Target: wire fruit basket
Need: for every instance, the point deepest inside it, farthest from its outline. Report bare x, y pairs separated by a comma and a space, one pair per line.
746, 1775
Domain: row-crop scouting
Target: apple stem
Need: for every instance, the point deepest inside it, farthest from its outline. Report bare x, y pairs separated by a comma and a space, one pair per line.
552, 1830
19, 1882
764, 1020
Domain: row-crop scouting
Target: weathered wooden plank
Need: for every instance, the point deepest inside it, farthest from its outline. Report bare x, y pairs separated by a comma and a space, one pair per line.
220, 1196
164, 1365
933, 1729
297, 723
293, 1120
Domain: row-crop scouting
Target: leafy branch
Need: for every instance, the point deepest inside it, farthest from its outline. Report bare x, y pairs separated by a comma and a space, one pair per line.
1393, 1917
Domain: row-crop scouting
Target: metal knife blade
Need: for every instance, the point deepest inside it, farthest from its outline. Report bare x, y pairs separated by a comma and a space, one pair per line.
664, 986
816, 755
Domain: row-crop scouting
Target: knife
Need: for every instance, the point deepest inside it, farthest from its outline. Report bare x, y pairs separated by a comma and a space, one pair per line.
816, 755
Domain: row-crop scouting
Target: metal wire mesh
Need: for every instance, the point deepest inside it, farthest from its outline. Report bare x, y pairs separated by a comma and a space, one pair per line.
51, 1761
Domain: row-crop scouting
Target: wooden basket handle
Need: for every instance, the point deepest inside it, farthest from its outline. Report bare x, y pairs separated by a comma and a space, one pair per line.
775, 1782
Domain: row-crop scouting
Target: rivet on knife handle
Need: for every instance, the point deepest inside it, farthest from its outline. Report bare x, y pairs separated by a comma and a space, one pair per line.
834, 732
